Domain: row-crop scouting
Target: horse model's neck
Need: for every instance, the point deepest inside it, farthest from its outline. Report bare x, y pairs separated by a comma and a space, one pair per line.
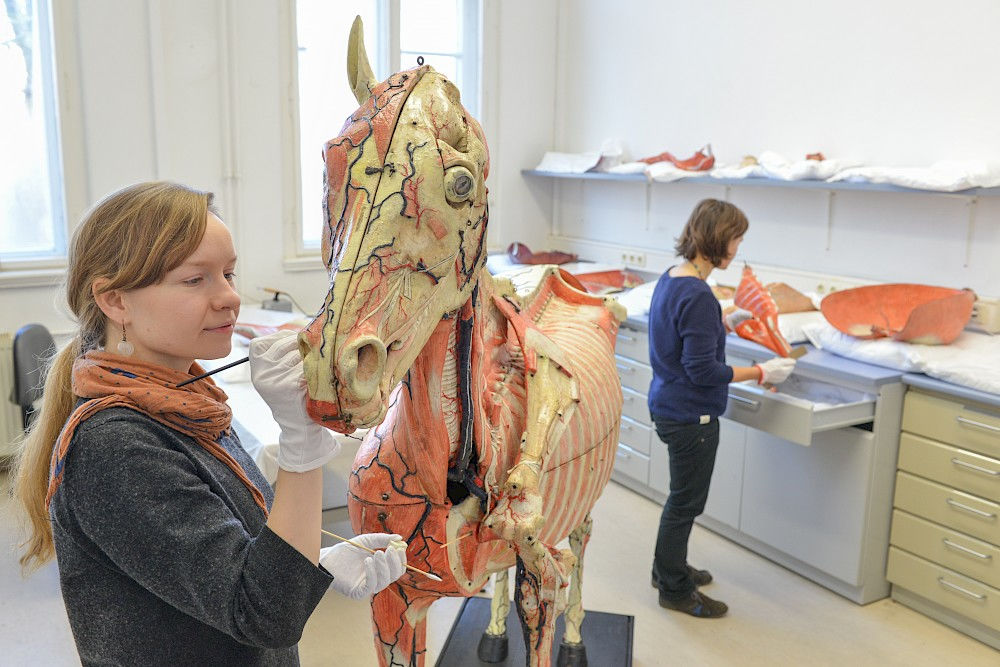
430, 396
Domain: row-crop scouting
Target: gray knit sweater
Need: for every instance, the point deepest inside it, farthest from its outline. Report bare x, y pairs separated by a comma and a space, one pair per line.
165, 559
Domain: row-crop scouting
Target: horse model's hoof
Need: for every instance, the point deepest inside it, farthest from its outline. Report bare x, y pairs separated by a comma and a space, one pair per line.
572, 655
493, 648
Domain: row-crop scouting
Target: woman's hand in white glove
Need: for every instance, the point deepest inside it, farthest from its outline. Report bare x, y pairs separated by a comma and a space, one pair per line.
775, 371
276, 373
358, 574
736, 317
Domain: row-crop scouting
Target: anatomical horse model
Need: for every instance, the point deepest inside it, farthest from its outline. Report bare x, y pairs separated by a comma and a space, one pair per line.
493, 405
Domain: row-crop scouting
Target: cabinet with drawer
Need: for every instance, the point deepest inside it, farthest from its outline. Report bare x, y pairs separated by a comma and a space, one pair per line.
640, 462
944, 558
827, 439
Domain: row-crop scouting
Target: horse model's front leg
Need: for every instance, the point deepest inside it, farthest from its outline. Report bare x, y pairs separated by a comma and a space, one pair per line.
552, 395
493, 643
400, 619
541, 583
572, 651
543, 576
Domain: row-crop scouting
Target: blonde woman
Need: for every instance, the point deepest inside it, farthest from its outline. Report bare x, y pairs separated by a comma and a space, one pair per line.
172, 548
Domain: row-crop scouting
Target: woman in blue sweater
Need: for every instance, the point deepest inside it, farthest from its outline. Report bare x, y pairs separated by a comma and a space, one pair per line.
687, 350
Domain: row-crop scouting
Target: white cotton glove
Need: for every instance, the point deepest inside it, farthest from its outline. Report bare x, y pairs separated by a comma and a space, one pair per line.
775, 371
358, 574
735, 318
276, 373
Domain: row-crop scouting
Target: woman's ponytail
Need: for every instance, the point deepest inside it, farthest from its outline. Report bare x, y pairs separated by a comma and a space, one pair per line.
31, 479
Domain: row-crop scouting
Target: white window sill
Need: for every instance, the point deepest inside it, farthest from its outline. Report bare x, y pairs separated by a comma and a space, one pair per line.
48, 276
304, 263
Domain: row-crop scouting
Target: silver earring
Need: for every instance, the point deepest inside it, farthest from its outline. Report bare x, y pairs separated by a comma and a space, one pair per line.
125, 348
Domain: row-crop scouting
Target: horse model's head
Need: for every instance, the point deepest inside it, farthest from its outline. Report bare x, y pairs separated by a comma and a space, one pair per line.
404, 238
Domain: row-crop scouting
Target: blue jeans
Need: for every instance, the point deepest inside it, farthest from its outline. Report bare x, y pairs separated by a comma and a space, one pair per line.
691, 448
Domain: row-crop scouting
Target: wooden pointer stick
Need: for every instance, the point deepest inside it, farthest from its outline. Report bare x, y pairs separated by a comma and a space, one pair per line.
460, 537
371, 551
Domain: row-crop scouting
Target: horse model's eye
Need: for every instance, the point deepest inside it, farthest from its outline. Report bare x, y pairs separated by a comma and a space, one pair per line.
458, 184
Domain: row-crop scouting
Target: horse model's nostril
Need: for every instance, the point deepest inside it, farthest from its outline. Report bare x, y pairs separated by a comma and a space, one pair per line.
362, 365
368, 363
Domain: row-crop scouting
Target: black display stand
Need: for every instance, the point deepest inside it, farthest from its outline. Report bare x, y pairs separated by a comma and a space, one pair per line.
608, 638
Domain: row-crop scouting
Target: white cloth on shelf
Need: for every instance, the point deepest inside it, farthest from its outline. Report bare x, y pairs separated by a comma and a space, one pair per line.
776, 166
568, 163
628, 168
943, 176
606, 159
666, 172
734, 171
612, 152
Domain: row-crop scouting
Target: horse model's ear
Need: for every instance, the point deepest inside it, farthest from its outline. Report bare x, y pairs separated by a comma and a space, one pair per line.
359, 72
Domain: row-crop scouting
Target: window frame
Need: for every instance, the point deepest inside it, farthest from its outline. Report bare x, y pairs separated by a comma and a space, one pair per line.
298, 255
60, 74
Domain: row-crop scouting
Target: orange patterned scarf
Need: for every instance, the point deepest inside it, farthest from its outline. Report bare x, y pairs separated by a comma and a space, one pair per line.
198, 410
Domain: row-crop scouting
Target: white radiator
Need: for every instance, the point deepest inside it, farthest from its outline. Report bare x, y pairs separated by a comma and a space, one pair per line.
10, 413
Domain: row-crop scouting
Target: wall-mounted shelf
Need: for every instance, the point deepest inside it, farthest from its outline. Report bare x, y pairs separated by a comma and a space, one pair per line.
970, 195
766, 182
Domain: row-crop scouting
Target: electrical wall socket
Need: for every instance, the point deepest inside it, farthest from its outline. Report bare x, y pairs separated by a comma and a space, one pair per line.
277, 304
985, 316
634, 258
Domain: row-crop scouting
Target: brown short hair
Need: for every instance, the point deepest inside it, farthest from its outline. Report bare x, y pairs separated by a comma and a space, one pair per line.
712, 225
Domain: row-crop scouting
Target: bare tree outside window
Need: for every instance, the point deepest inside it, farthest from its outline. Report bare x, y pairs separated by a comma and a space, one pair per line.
19, 14
31, 224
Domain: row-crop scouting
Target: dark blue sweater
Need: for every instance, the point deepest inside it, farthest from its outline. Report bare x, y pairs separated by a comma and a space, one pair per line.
687, 350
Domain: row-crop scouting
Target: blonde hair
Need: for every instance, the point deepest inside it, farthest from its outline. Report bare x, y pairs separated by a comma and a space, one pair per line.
131, 238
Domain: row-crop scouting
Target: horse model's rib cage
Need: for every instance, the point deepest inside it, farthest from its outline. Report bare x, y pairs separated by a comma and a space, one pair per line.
579, 465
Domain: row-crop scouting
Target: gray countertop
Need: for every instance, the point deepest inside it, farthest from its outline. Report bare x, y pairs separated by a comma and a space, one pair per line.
831, 366
966, 393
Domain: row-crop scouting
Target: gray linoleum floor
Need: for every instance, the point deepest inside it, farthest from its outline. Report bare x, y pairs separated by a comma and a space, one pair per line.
776, 617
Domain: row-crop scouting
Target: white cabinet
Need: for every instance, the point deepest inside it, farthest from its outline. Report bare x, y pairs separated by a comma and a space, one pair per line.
726, 492
810, 502
803, 476
945, 555
636, 437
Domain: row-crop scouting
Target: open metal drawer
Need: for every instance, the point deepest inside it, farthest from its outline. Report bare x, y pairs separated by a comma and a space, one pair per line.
800, 408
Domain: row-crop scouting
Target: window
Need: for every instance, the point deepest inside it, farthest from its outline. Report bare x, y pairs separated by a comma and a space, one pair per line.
32, 215
444, 32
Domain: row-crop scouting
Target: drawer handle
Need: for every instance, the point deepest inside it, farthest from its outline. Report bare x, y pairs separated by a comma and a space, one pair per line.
622, 455
744, 402
966, 550
625, 427
947, 584
624, 369
973, 510
970, 466
627, 339
628, 399
970, 422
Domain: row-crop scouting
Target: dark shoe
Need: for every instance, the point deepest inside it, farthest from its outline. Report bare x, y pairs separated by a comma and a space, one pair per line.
697, 604
699, 577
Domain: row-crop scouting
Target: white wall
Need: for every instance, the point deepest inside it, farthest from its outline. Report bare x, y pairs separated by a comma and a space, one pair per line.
893, 82
196, 90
